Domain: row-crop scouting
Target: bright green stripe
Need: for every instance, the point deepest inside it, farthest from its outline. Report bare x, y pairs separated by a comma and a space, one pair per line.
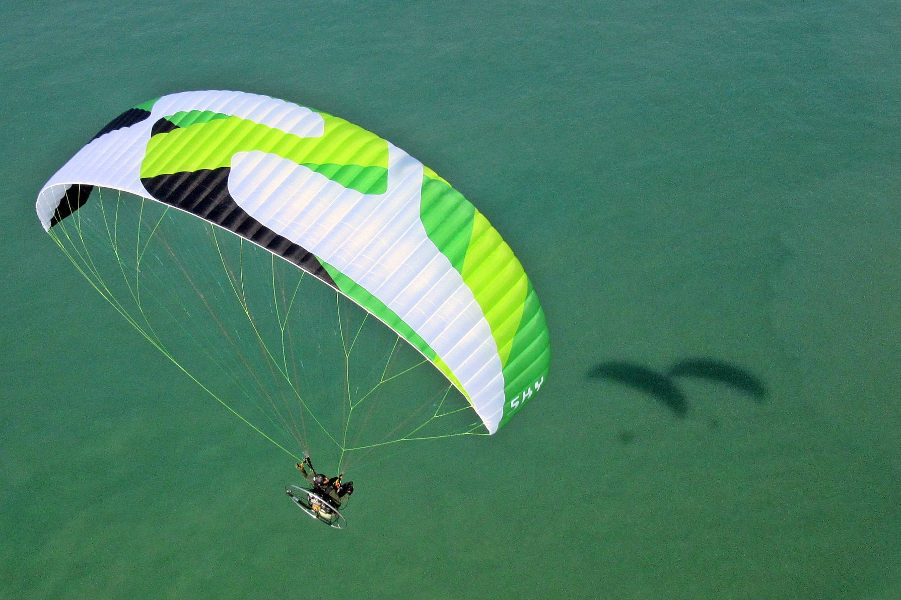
497, 281
368, 180
530, 355
430, 174
447, 217
210, 144
187, 118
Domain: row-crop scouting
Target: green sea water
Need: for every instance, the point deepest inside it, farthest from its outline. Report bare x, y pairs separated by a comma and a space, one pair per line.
714, 180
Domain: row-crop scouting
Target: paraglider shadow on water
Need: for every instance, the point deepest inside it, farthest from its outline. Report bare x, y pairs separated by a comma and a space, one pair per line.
722, 372
641, 378
663, 388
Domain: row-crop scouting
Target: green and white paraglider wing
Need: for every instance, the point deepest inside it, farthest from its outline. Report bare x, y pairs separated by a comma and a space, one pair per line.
344, 205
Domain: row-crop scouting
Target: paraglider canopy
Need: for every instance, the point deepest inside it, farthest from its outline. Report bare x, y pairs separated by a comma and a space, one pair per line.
329, 198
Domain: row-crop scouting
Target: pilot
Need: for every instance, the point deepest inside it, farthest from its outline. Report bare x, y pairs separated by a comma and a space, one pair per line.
331, 489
